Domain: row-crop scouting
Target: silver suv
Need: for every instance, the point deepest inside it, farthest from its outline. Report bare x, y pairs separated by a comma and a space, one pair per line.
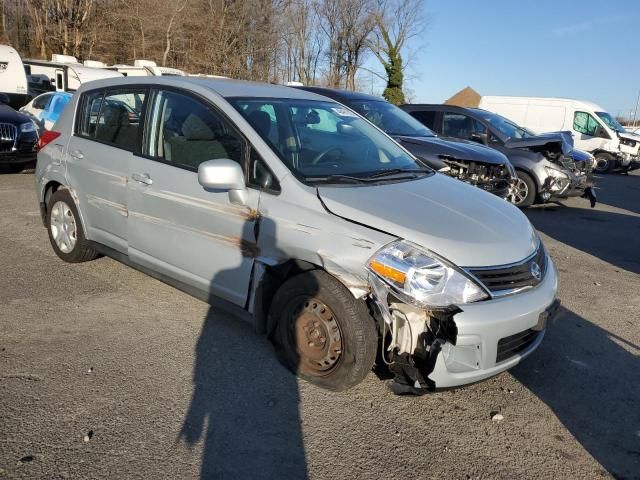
298, 213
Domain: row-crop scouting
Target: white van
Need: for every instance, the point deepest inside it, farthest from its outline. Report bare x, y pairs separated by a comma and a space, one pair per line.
65, 73
13, 80
593, 128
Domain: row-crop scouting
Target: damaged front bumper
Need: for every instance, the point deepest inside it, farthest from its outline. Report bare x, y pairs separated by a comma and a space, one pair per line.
428, 350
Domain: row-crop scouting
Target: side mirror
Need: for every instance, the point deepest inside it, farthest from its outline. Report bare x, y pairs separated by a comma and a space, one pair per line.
481, 138
223, 175
601, 132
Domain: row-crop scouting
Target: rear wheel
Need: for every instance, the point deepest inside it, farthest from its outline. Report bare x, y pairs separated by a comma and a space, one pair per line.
604, 162
523, 193
65, 230
322, 333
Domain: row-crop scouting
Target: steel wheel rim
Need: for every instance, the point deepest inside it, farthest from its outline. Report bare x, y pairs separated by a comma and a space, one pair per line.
63, 227
315, 335
519, 192
601, 164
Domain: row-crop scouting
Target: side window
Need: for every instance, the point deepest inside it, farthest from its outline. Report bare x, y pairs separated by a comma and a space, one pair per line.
459, 125
42, 102
120, 117
585, 123
428, 119
90, 105
187, 132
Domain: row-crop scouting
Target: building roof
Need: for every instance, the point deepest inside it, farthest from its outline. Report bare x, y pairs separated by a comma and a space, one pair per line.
467, 97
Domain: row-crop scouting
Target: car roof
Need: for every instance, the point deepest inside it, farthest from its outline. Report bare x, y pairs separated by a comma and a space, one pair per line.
341, 95
224, 87
433, 106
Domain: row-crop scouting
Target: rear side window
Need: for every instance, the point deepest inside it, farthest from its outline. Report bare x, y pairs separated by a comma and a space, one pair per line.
426, 118
120, 118
90, 106
187, 132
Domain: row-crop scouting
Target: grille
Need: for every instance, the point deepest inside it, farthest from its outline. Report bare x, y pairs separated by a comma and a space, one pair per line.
8, 134
509, 346
503, 279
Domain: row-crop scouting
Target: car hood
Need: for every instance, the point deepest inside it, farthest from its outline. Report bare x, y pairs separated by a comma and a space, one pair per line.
9, 115
628, 136
564, 139
464, 224
459, 149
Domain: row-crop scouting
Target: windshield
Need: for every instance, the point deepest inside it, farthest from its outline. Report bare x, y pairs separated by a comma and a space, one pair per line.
390, 118
611, 122
324, 139
505, 126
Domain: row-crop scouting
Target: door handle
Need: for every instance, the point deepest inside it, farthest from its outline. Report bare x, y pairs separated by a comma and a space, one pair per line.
77, 154
142, 178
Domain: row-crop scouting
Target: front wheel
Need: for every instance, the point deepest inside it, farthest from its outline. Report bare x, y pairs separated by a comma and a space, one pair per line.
323, 334
604, 162
523, 193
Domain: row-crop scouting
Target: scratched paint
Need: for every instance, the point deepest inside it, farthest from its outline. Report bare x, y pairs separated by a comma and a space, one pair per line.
100, 202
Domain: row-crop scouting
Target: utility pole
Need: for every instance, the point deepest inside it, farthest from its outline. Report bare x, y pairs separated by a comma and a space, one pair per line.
635, 112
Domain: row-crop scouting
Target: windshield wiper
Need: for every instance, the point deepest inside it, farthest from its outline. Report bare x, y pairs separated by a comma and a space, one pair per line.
395, 171
335, 178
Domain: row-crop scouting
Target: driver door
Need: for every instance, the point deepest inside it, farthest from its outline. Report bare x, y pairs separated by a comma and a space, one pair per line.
176, 227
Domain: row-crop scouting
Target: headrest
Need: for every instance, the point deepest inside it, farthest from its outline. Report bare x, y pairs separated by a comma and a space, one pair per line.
261, 121
194, 128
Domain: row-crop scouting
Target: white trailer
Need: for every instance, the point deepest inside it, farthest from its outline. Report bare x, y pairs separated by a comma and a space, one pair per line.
593, 128
145, 68
65, 73
13, 80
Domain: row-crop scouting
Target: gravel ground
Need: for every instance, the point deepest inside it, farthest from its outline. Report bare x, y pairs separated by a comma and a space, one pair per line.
97, 363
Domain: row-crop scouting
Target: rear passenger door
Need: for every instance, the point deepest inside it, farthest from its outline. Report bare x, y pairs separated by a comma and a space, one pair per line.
107, 131
176, 227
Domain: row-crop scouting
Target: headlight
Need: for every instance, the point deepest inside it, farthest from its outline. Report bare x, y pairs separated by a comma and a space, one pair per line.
560, 180
421, 277
27, 127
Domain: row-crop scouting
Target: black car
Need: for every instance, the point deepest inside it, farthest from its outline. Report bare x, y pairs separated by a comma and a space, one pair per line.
548, 167
465, 160
18, 137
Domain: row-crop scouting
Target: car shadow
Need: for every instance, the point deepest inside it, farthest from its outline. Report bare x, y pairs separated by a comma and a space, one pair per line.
590, 378
244, 405
606, 235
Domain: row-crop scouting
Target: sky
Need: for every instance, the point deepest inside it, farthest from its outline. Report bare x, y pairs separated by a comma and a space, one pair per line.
584, 49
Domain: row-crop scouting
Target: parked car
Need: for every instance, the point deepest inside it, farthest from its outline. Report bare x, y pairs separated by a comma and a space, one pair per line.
467, 161
334, 241
593, 128
45, 109
547, 166
18, 137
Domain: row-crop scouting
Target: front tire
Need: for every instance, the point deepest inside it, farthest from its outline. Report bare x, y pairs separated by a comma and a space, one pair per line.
604, 162
322, 333
65, 229
524, 191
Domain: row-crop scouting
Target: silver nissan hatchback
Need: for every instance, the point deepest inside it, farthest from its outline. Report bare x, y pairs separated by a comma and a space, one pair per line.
299, 214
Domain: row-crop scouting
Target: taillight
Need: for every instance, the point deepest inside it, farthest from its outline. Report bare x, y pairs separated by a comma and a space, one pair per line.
47, 137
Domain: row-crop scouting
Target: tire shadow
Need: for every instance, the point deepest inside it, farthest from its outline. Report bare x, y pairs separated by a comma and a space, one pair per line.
590, 379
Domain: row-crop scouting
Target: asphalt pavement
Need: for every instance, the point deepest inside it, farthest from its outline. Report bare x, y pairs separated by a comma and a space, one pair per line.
108, 373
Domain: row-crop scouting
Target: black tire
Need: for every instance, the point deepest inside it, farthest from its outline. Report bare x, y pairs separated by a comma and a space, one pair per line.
80, 251
526, 195
605, 162
315, 306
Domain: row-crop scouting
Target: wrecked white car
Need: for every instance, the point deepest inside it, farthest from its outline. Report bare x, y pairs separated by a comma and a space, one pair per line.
291, 209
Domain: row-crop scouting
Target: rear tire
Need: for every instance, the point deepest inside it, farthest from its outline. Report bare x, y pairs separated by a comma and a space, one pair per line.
322, 333
525, 191
65, 229
604, 162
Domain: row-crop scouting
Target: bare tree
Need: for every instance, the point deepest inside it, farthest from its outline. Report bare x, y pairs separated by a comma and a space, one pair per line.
397, 22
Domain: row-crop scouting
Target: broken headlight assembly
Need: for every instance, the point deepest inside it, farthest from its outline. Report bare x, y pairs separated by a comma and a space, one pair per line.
560, 180
422, 278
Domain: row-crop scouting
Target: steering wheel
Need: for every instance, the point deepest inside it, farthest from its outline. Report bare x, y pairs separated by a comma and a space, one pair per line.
322, 156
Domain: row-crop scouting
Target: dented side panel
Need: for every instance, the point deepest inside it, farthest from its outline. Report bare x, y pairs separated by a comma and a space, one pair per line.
199, 237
